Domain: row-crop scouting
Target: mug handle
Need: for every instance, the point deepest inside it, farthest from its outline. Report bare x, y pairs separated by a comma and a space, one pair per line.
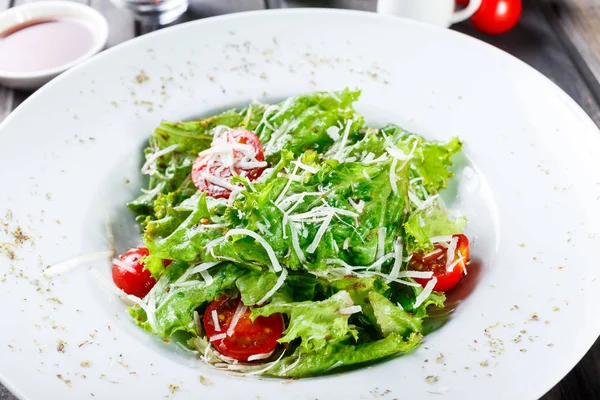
466, 12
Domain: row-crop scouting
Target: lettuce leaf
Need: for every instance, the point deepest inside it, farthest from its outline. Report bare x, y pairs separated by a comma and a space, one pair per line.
301, 122
174, 307
254, 285
318, 324
173, 169
359, 289
430, 222
431, 160
391, 318
337, 355
405, 296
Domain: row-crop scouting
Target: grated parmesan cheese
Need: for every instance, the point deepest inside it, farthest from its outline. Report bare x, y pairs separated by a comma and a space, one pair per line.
262, 356
305, 167
346, 243
359, 207
415, 274
441, 239
206, 276
296, 244
196, 269
398, 249
350, 310
275, 288
239, 311
123, 265
149, 166
381, 232
397, 153
426, 292
220, 336
215, 319
110, 286
320, 233
349, 267
220, 182
450, 254
333, 132
366, 175
65, 266
342, 143
414, 199
393, 177
245, 232
286, 187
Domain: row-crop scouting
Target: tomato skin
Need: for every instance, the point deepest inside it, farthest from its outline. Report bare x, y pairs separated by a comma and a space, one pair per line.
496, 16
247, 338
437, 264
136, 281
204, 164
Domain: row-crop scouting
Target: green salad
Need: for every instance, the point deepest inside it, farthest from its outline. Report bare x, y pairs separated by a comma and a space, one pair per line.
291, 239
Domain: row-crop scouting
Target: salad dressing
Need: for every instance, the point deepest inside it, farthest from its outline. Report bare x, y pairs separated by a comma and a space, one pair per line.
43, 43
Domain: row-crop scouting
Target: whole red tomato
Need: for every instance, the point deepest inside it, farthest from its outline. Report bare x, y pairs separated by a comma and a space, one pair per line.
495, 16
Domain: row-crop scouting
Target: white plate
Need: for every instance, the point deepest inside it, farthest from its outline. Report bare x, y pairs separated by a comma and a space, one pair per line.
68, 152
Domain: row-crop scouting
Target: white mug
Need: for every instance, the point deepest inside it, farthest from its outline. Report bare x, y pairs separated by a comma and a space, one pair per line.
434, 12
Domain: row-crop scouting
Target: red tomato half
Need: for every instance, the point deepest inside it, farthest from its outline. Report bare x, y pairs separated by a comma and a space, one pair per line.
129, 274
212, 173
496, 16
435, 261
247, 338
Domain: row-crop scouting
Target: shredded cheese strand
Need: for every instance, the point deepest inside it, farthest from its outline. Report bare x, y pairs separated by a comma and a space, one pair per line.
220, 336
123, 265
65, 266
239, 311
269, 366
349, 267
393, 177
441, 239
398, 249
270, 252
128, 298
220, 182
305, 167
275, 288
198, 268
215, 319
322, 229
350, 310
261, 356
287, 186
381, 232
208, 279
397, 153
149, 166
296, 244
450, 254
426, 292
342, 144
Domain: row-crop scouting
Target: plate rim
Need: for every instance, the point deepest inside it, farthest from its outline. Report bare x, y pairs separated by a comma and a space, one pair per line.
558, 373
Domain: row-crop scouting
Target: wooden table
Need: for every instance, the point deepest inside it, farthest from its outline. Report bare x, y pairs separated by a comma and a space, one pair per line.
560, 38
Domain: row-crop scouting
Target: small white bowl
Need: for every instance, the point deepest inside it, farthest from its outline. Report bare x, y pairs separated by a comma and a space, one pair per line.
49, 9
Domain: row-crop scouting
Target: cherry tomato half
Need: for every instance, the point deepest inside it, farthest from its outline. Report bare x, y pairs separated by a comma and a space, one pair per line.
210, 168
496, 16
247, 338
435, 261
129, 274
